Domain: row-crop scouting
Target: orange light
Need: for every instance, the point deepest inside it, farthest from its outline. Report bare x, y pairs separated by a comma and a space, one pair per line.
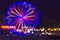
31, 29
7, 27
4, 27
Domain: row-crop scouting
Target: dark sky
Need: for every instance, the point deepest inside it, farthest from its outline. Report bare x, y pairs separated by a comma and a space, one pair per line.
49, 14
49, 10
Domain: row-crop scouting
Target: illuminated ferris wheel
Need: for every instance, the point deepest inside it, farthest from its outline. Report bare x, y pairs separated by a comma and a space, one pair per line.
22, 15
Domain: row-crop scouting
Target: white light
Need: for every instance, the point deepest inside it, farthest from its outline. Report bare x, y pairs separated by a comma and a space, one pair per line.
25, 32
11, 27
49, 33
32, 32
18, 30
43, 33
25, 27
59, 29
28, 31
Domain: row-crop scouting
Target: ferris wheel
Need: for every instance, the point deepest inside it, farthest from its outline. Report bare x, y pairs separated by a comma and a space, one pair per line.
22, 15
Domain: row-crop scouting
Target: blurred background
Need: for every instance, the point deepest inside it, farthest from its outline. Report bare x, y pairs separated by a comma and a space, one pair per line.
49, 11
49, 16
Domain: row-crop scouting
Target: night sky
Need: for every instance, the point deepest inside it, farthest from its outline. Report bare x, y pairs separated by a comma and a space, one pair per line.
49, 10
49, 15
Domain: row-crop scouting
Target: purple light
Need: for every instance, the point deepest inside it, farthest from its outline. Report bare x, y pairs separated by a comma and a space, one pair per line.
22, 14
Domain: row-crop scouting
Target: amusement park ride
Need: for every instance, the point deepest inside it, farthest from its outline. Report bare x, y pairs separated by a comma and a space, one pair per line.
23, 17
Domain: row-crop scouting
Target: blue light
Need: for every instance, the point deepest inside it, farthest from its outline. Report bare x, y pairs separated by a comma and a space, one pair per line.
34, 23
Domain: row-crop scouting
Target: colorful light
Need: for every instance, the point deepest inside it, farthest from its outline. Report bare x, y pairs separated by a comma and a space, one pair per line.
49, 29
7, 27
55, 29
4, 27
22, 15
42, 29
